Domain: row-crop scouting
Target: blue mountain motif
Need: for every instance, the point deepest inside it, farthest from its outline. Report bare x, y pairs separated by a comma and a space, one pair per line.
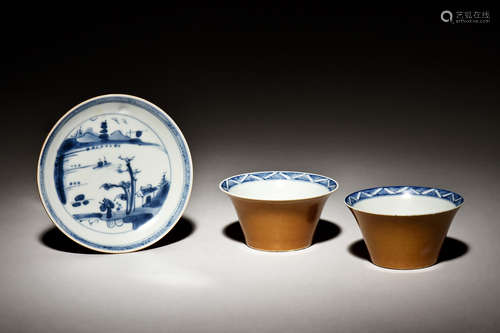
86, 141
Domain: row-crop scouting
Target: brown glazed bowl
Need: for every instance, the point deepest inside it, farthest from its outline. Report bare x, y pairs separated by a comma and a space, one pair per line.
278, 210
404, 226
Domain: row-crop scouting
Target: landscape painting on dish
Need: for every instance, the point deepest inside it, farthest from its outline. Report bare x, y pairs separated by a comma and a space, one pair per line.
112, 173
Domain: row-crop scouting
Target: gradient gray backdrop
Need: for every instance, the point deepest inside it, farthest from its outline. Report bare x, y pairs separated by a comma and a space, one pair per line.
369, 98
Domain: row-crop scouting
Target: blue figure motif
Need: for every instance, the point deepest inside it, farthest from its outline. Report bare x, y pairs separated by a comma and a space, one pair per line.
106, 206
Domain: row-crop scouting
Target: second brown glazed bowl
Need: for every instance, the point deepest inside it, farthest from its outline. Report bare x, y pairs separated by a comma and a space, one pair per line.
404, 226
278, 210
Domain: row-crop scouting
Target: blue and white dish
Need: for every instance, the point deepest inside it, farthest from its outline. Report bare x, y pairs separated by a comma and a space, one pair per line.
404, 200
115, 173
278, 185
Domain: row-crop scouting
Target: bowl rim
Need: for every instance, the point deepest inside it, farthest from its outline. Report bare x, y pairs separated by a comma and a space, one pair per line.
337, 186
405, 189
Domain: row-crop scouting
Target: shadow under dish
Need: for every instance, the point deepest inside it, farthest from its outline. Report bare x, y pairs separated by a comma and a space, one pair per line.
53, 238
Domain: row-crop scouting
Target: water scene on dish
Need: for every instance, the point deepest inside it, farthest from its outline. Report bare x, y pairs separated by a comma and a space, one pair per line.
112, 173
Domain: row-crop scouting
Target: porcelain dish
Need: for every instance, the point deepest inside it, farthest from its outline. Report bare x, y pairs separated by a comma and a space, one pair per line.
115, 173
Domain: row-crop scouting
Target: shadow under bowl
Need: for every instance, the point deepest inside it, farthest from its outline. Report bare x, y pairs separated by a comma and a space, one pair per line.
278, 210
404, 226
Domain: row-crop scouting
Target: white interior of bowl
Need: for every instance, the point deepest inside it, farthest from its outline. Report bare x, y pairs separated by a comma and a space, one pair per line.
405, 204
278, 189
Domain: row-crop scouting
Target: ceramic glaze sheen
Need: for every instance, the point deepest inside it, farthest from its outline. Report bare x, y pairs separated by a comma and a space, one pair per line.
279, 225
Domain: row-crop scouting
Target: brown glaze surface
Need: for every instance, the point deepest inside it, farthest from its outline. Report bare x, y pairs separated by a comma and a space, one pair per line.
279, 225
404, 242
